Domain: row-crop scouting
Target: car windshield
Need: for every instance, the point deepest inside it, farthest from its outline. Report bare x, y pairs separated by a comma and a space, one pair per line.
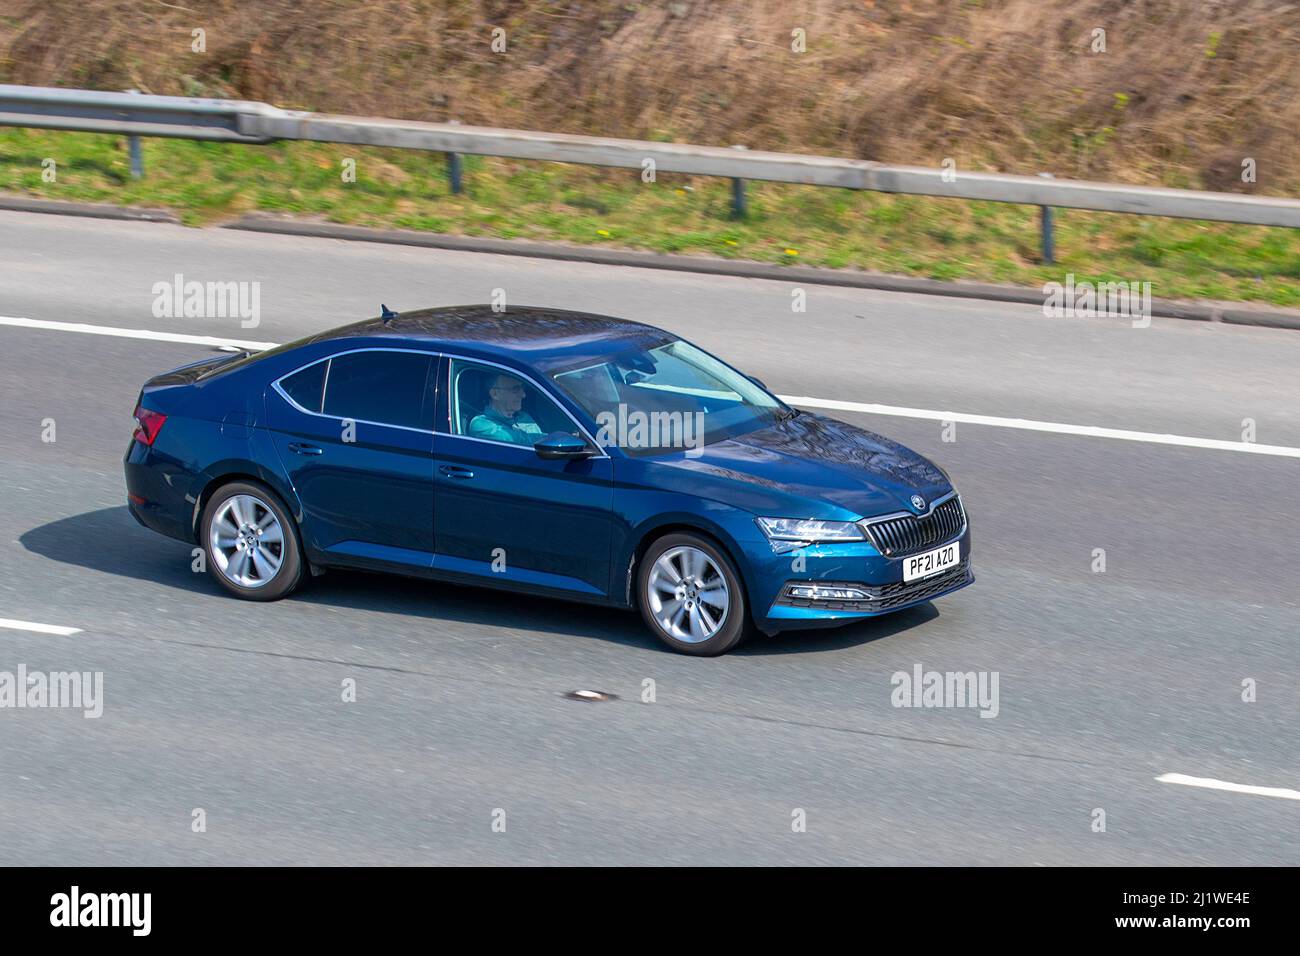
670, 397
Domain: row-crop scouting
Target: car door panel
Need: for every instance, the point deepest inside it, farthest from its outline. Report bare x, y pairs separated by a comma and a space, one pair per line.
366, 488
507, 514
364, 497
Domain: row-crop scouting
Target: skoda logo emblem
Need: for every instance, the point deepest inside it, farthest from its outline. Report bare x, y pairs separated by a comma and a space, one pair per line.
918, 502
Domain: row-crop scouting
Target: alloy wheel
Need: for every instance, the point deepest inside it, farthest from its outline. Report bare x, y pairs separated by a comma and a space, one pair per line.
688, 594
246, 541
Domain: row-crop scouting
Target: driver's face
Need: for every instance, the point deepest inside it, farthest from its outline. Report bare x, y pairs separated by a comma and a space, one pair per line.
507, 395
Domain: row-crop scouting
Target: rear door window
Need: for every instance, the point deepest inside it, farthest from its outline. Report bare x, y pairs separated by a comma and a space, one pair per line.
388, 388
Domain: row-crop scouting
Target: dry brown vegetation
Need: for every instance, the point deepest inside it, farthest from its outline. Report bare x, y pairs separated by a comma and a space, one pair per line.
1184, 91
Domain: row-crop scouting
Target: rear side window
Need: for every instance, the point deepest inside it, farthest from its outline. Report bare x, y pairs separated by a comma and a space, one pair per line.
307, 386
391, 388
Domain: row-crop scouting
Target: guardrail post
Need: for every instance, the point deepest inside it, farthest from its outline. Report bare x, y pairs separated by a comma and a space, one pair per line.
1048, 229
455, 169
739, 200
137, 155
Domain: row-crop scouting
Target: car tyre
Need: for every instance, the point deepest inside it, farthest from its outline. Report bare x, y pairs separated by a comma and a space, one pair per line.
250, 542
691, 596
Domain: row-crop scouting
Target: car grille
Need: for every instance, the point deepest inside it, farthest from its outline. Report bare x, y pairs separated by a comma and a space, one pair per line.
902, 535
886, 597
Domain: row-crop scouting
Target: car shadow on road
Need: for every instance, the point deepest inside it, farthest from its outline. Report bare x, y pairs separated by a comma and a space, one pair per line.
111, 542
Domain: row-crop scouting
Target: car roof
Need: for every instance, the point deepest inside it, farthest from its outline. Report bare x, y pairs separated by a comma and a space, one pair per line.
535, 336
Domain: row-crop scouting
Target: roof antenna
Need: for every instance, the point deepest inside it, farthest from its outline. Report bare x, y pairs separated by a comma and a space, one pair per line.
386, 313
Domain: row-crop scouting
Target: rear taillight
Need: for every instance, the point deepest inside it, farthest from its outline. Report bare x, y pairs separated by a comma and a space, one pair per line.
147, 425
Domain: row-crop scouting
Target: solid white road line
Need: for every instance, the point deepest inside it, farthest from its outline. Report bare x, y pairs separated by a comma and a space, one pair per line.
39, 628
897, 411
1210, 784
1060, 428
132, 333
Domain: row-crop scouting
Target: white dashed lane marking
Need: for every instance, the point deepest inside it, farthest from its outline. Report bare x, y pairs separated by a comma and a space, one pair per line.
1209, 783
132, 333
1060, 428
38, 628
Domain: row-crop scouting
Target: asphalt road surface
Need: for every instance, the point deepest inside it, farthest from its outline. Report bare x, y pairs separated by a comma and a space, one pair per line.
1107, 680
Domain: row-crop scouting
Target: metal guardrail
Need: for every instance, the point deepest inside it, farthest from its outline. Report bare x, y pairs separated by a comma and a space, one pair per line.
134, 114
130, 114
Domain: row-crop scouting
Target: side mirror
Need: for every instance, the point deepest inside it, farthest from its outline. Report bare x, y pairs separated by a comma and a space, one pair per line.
757, 381
561, 445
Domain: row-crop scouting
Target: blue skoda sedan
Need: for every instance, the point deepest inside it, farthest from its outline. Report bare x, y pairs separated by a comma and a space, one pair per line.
546, 452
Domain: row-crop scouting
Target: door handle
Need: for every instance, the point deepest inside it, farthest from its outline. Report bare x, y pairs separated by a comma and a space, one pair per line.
455, 471
298, 448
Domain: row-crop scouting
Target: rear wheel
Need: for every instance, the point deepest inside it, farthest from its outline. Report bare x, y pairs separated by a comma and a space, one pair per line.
690, 595
251, 542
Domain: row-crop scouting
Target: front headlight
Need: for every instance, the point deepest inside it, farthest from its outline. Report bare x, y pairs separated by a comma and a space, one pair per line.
808, 530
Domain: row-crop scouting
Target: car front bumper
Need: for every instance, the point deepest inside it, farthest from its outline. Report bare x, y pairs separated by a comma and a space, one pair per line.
857, 565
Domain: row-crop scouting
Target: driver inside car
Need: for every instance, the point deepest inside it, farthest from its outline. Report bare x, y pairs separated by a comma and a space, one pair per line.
504, 419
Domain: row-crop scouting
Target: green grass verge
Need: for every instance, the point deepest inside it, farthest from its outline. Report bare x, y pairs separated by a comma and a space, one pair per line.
906, 235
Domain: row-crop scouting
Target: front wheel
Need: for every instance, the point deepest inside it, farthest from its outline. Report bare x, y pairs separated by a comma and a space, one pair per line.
251, 542
691, 597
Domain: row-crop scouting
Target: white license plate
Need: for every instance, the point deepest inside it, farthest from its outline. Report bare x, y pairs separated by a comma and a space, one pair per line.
931, 562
